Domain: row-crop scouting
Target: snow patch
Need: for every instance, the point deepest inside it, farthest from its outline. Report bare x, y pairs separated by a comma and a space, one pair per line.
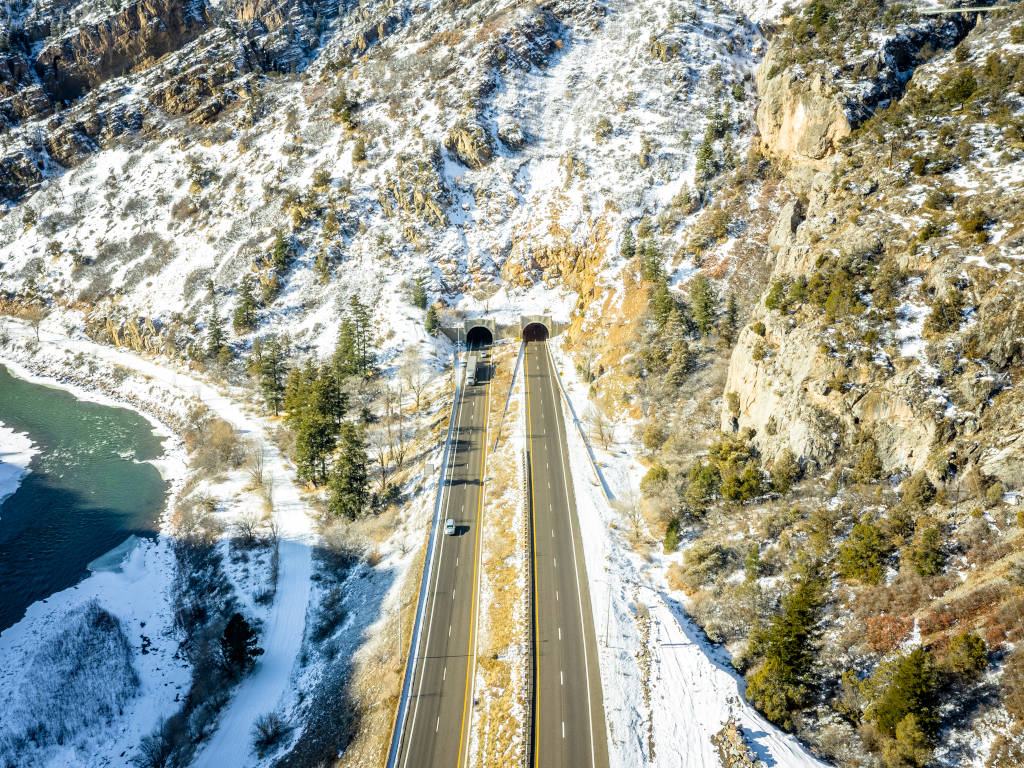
16, 452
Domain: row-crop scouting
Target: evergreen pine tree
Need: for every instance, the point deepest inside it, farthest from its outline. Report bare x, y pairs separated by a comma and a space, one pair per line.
346, 356
627, 249
245, 313
419, 294
780, 685
315, 436
348, 484
862, 556
433, 322
653, 271
365, 355
214, 331
913, 690
281, 253
359, 151
238, 645
268, 365
727, 327
663, 306
706, 166
704, 303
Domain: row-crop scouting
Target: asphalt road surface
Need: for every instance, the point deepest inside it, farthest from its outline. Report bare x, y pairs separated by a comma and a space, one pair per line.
436, 733
568, 725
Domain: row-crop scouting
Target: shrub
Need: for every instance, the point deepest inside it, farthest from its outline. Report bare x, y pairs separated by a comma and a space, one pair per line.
80, 676
918, 491
742, 486
911, 689
671, 541
653, 479
861, 557
869, 466
785, 471
216, 445
268, 731
359, 151
926, 554
972, 221
938, 199
967, 655
702, 561
758, 328
885, 632
911, 747
960, 87
994, 493
654, 436
1017, 34
704, 481
330, 614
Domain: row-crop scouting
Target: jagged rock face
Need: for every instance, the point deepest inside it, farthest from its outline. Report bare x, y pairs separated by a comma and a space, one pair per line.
140, 33
468, 141
799, 121
786, 398
802, 116
17, 172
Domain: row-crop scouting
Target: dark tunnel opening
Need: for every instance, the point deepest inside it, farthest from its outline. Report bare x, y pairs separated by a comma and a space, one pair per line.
478, 336
535, 332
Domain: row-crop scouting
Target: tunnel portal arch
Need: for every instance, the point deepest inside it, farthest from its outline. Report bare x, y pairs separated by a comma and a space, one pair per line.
479, 336
535, 332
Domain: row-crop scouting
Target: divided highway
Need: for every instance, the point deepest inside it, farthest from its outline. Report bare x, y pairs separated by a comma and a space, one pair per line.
568, 715
436, 725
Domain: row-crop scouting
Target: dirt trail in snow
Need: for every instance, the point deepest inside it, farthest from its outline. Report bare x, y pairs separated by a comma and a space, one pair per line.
281, 640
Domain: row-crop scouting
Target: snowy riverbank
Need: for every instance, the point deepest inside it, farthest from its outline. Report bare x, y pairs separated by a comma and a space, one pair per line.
136, 624
16, 452
130, 594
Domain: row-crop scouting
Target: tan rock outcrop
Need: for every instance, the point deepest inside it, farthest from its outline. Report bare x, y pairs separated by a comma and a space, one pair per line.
801, 119
468, 141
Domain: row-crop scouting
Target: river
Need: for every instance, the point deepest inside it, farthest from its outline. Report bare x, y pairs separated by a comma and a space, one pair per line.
88, 488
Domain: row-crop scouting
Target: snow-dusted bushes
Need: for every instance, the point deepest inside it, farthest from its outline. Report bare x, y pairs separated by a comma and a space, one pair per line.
79, 678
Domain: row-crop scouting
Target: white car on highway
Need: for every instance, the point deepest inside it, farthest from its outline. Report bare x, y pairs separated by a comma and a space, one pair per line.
449, 527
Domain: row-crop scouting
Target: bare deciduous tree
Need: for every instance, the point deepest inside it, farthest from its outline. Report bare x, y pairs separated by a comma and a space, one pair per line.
600, 427
34, 315
415, 374
255, 463
379, 444
247, 526
628, 505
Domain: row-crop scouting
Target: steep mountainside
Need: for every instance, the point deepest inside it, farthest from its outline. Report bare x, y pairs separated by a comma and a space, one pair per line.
843, 482
786, 239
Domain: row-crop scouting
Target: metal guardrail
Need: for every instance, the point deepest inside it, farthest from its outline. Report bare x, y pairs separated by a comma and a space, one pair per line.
579, 428
531, 671
971, 9
413, 655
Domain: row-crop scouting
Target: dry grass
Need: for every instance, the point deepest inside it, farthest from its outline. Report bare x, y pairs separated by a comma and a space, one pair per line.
501, 638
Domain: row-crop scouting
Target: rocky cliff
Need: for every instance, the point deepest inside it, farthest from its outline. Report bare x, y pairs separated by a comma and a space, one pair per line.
807, 106
849, 344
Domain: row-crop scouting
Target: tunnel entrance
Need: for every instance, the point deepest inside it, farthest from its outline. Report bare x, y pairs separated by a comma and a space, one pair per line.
535, 332
478, 336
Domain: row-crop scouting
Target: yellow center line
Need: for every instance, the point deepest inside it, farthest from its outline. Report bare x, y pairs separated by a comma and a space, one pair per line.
533, 558
470, 656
